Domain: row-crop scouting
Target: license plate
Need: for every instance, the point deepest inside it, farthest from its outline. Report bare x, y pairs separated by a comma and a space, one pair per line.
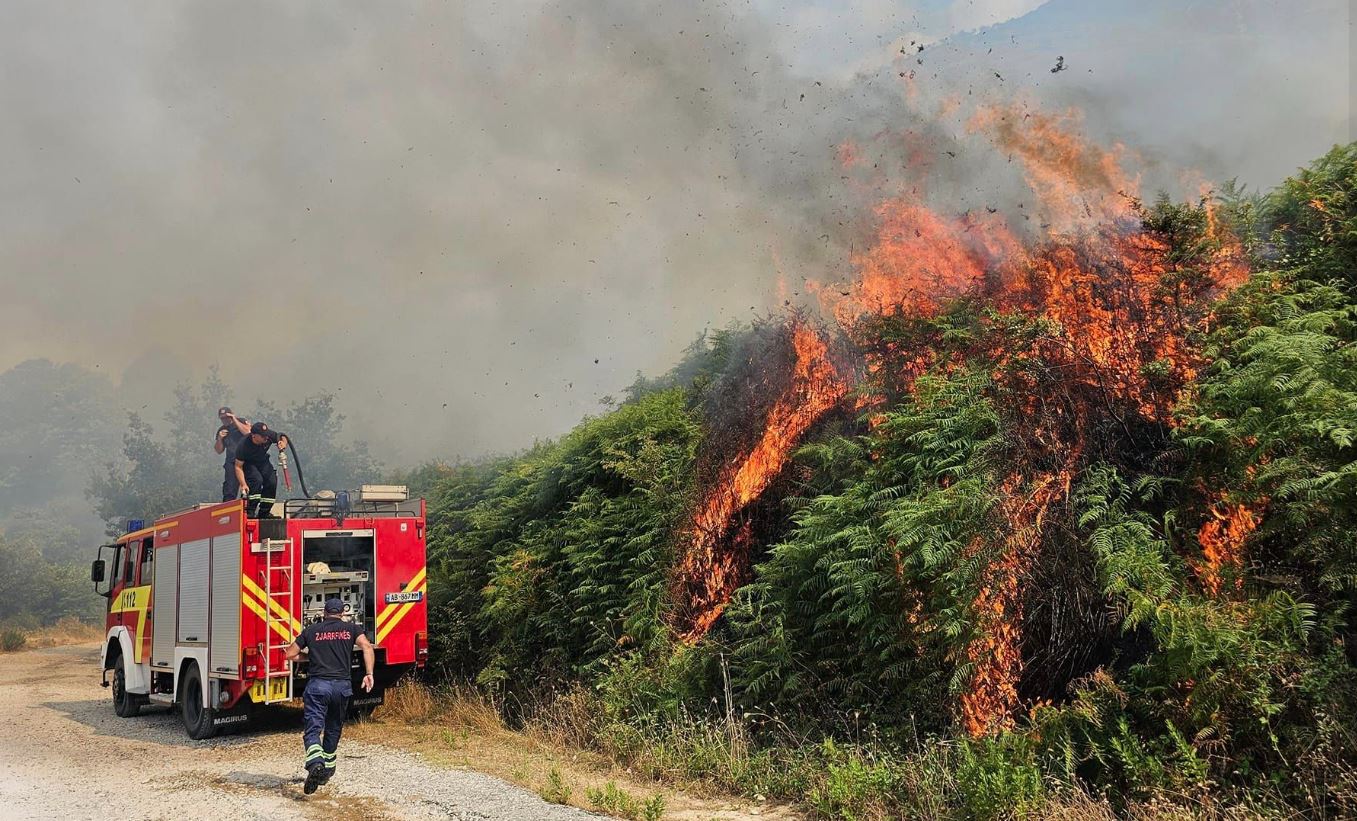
400, 598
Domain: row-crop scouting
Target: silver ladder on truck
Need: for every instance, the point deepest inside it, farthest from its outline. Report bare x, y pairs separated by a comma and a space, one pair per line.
277, 617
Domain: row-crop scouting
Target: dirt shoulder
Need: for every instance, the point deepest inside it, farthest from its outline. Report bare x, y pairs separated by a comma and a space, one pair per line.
68, 756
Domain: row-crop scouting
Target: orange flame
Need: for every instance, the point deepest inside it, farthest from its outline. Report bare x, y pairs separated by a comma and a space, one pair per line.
991, 698
1120, 314
708, 572
920, 259
1076, 182
1114, 352
1222, 540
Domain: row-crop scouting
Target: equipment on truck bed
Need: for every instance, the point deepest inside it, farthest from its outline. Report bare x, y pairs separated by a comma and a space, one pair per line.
317, 588
203, 602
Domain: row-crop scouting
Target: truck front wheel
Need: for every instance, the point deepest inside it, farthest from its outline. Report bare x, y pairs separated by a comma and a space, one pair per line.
196, 715
125, 704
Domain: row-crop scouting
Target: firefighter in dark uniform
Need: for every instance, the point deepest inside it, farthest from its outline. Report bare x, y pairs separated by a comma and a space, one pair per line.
328, 645
255, 472
233, 429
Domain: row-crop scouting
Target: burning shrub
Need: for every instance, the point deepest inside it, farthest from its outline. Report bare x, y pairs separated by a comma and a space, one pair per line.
739, 461
1087, 513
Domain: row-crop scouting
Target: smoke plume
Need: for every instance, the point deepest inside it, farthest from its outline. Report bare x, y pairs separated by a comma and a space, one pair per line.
469, 221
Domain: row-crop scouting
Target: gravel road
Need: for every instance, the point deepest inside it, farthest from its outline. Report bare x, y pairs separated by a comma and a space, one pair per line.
65, 755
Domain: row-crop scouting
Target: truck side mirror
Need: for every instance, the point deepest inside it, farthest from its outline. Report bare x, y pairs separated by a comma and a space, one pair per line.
98, 571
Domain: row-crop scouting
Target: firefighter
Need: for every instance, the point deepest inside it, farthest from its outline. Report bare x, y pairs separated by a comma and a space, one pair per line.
233, 429
328, 645
258, 481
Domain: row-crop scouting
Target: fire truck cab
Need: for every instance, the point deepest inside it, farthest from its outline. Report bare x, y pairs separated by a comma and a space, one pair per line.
203, 603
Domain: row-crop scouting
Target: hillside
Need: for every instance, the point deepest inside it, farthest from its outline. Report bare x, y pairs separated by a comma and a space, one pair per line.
1026, 514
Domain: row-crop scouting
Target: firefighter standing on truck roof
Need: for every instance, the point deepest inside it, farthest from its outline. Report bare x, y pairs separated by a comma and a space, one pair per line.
328, 645
254, 471
233, 429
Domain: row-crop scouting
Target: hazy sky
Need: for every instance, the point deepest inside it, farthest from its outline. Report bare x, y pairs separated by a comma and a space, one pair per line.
471, 220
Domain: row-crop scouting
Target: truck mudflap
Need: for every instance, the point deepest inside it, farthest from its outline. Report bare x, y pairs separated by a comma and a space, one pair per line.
230, 719
368, 701
238, 715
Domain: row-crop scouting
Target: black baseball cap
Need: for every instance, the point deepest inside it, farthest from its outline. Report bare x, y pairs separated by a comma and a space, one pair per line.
333, 607
223, 409
259, 428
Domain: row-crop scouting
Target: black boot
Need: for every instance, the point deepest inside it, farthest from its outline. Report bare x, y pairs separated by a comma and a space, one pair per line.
314, 776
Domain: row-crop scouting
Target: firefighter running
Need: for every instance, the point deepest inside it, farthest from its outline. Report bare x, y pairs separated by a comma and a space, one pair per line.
255, 473
328, 645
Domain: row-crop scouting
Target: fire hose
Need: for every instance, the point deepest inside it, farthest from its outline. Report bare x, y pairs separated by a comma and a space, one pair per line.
297, 457
282, 463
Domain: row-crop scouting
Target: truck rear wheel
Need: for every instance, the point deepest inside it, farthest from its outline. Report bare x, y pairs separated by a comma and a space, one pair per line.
125, 704
196, 715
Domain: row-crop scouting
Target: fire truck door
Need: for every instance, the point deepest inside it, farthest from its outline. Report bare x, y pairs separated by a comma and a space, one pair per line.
145, 578
123, 570
130, 604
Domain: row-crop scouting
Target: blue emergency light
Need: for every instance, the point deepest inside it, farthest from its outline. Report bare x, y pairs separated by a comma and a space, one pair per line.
135, 524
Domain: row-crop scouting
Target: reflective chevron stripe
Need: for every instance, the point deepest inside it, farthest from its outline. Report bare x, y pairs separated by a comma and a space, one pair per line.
277, 609
390, 624
392, 609
259, 611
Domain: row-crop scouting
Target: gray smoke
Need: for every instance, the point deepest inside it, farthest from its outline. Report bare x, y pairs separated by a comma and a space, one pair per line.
470, 221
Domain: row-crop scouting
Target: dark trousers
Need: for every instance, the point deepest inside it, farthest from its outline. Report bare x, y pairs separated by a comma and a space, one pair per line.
230, 487
263, 482
325, 701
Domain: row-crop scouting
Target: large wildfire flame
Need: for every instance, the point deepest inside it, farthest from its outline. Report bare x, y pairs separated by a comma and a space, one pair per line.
1117, 358
709, 572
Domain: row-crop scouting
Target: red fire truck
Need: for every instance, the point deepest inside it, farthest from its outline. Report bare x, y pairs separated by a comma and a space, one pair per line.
203, 602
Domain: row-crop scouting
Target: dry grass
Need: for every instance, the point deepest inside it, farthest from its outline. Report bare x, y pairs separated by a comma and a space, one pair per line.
567, 721
1078, 806
68, 630
461, 727
408, 701
556, 756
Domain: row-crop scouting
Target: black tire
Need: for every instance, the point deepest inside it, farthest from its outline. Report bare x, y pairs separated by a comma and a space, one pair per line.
197, 716
125, 704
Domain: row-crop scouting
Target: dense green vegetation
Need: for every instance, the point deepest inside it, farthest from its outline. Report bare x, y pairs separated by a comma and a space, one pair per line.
1154, 667
36, 589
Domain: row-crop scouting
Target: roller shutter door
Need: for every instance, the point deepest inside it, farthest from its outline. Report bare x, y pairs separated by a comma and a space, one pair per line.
193, 592
224, 653
163, 604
